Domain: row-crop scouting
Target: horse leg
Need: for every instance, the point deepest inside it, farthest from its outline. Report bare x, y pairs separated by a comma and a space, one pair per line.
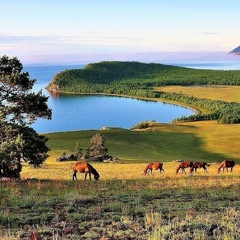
90, 176
74, 176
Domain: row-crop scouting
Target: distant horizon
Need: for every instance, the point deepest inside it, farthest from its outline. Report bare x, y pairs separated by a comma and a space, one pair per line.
157, 57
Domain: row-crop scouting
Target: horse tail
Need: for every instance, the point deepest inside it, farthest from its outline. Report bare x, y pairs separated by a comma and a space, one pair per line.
208, 164
161, 167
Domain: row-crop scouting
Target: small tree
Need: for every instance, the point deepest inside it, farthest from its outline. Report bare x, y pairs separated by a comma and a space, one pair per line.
19, 108
96, 149
78, 150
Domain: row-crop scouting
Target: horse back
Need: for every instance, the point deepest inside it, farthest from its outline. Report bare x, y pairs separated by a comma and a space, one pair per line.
80, 167
156, 166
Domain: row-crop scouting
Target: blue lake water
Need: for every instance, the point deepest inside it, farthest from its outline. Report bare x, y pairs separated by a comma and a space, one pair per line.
83, 112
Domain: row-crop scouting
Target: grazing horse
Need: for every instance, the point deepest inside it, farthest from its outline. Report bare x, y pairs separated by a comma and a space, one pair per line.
184, 165
153, 166
84, 168
197, 165
226, 164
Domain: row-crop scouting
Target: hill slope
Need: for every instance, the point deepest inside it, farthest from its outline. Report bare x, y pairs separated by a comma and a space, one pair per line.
135, 73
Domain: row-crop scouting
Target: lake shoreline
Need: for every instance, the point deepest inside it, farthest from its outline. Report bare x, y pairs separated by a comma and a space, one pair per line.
196, 111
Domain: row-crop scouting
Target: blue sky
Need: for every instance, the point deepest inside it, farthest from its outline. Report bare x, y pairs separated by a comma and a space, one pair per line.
83, 31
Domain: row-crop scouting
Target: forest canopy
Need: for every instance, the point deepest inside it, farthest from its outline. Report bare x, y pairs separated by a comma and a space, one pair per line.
140, 79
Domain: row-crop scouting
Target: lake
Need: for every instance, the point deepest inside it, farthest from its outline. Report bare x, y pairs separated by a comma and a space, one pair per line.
84, 112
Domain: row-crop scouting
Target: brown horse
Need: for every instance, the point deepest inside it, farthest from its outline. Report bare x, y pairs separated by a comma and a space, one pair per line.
84, 168
153, 166
197, 165
184, 165
226, 164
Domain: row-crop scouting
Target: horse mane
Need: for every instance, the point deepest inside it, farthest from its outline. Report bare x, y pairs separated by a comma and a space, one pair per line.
221, 165
146, 168
93, 170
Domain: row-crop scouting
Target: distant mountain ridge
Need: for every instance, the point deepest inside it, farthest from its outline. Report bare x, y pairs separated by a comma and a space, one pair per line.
235, 51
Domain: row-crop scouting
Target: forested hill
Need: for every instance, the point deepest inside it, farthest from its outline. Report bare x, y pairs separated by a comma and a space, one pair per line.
140, 79
152, 74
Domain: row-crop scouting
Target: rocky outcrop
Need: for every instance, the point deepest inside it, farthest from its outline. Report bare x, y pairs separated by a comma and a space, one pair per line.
52, 87
235, 51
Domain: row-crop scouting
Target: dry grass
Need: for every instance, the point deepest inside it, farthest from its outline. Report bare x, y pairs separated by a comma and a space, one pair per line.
225, 93
110, 171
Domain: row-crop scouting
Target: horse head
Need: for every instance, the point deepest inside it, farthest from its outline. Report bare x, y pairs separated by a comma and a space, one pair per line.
96, 176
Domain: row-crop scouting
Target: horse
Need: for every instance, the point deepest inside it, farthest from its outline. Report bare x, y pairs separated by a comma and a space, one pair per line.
226, 164
184, 165
153, 166
84, 168
197, 165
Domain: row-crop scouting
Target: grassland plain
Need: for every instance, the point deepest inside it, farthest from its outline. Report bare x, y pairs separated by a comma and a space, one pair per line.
125, 204
225, 93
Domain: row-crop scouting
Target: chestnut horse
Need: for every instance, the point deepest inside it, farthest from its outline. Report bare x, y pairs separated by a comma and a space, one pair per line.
153, 166
84, 168
184, 165
226, 164
197, 165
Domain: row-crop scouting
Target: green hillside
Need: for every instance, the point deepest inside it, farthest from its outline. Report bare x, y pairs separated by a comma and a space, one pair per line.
141, 80
149, 74
208, 141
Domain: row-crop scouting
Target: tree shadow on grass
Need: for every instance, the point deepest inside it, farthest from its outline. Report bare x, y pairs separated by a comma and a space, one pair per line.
161, 146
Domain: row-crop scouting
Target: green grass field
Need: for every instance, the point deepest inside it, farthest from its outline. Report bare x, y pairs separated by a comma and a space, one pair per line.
196, 141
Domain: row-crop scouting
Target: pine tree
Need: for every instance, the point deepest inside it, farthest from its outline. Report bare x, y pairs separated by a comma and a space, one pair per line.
19, 108
96, 150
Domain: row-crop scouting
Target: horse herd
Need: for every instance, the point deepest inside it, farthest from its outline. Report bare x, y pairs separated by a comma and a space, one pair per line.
88, 169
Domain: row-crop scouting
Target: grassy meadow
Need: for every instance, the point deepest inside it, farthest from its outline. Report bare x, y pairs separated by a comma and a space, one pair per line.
225, 93
125, 204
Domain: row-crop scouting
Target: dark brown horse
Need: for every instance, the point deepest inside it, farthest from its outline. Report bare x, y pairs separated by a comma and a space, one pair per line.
184, 165
84, 168
226, 164
153, 166
197, 165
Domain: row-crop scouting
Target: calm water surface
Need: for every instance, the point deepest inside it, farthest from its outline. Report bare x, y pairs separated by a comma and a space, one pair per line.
84, 112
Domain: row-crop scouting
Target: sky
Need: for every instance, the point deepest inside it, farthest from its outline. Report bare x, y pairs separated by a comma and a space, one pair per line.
84, 31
